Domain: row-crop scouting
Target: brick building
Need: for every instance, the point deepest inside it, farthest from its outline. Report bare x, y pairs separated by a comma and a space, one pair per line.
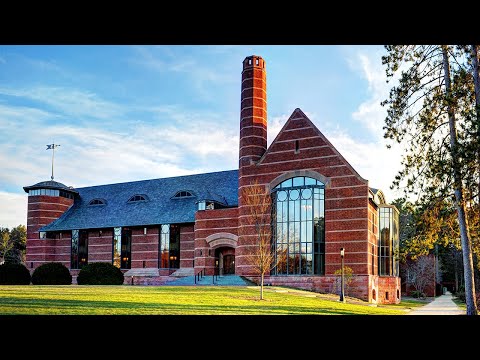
164, 228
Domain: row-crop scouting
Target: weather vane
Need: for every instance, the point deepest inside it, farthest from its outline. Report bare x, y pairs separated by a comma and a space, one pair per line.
52, 147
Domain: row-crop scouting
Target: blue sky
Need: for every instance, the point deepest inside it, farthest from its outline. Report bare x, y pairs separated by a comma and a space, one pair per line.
125, 113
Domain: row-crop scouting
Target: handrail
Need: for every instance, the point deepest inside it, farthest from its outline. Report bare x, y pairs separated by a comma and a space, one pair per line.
215, 275
199, 275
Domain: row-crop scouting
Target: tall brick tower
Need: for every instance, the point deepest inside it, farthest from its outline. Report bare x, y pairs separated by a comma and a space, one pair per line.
47, 201
253, 144
253, 111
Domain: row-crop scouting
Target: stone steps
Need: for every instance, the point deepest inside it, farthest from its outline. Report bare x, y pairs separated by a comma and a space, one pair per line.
150, 272
183, 272
226, 280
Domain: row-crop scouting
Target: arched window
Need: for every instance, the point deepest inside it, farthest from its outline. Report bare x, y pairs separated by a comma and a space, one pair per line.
299, 226
182, 194
136, 198
97, 202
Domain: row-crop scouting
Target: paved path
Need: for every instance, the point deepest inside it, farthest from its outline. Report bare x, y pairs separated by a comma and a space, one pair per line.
442, 305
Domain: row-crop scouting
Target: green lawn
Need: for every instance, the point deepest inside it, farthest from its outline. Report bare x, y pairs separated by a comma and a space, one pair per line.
460, 303
148, 300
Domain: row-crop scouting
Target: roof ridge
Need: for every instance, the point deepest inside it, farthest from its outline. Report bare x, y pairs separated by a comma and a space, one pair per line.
168, 177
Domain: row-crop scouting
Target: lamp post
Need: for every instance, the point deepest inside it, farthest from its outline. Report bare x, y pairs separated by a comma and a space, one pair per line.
342, 286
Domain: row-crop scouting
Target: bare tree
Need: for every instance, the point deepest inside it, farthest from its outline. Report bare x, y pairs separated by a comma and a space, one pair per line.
420, 272
262, 257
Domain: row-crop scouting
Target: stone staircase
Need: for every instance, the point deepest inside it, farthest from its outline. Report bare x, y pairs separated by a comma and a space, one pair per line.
225, 280
143, 276
149, 272
185, 272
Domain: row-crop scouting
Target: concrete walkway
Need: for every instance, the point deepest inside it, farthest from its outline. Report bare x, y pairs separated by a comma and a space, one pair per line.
442, 305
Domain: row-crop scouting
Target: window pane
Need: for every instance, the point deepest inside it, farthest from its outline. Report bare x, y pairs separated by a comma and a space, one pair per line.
310, 181
117, 246
174, 247
287, 183
83, 248
294, 194
298, 181
306, 193
74, 251
126, 249
164, 248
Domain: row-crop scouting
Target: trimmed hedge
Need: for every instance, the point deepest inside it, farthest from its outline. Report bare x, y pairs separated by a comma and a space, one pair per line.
14, 274
100, 273
51, 274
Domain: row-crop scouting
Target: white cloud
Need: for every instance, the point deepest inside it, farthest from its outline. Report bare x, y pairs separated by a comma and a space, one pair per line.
13, 209
201, 76
370, 113
275, 124
69, 101
371, 160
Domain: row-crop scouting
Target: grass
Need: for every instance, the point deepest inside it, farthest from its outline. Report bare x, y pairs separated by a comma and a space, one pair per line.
166, 300
412, 303
462, 305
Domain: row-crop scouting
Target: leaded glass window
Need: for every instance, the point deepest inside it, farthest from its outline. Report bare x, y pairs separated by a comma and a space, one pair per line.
299, 226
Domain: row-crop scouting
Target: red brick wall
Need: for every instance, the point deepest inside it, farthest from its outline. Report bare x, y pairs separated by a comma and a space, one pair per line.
63, 248
390, 285
100, 246
42, 210
144, 247
209, 222
187, 245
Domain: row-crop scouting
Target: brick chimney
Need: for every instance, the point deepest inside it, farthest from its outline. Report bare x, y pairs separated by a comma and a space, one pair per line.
253, 111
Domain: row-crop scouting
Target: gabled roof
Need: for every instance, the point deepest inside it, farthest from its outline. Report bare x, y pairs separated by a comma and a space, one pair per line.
299, 113
159, 209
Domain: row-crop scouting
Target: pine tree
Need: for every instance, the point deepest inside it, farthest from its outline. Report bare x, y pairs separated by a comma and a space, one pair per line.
427, 113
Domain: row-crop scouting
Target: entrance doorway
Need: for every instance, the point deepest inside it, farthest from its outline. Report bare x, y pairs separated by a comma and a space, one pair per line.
229, 264
225, 260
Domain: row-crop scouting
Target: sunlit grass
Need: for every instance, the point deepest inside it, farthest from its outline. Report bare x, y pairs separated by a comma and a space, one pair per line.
166, 300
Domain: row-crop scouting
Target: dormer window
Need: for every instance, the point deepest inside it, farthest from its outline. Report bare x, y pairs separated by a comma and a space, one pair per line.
95, 202
136, 198
182, 194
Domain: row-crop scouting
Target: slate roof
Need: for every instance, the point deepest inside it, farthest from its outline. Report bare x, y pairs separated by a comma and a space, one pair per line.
160, 208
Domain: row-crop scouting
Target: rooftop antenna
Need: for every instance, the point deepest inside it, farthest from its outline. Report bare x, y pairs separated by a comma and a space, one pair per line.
52, 147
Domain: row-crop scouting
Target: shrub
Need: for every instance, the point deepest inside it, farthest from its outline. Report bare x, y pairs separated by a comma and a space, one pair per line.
461, 295
101, 273
418, 294
14, 274
347, 277
51, 274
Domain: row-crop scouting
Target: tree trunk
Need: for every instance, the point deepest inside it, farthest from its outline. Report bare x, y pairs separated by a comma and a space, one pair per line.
459, 200
456, 274
476, 81
261, 288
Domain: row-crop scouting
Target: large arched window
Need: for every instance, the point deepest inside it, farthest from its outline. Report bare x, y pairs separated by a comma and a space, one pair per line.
299, 226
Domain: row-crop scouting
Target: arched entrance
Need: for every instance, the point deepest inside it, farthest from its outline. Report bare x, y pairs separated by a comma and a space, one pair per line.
224, 245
